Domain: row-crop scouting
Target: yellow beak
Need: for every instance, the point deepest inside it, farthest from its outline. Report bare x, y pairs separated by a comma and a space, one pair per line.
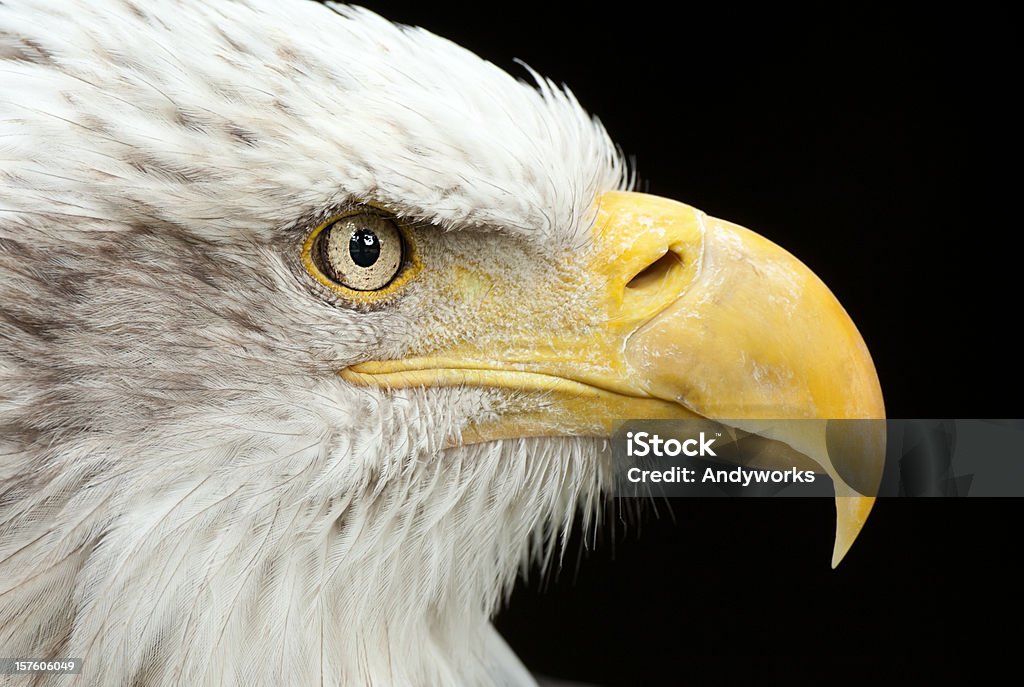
697, 318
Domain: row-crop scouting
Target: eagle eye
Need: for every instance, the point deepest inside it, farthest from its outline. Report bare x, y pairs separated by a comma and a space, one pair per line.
361, 255
362, 252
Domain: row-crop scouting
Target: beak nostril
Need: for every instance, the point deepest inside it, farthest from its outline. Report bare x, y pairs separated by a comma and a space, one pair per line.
656, 272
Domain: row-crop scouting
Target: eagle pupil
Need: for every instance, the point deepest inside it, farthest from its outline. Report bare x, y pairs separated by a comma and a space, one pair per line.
364, 247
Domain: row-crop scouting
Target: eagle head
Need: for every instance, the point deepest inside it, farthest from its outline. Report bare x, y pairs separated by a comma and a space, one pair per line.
312, 331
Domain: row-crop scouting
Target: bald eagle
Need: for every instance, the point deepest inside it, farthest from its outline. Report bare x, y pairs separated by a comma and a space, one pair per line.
312, 331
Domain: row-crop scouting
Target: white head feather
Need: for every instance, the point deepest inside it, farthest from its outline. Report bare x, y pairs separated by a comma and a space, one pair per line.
188, 492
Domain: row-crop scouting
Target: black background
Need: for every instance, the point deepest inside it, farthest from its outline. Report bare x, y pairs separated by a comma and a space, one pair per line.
879, 147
